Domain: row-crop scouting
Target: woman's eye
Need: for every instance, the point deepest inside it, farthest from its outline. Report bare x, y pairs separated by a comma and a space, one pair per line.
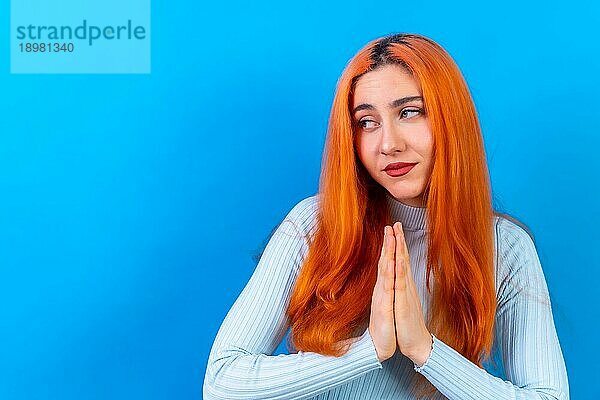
406, 113
411, 110
363, 123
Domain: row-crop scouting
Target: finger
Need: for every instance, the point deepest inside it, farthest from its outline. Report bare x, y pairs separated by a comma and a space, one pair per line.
399, 233
408, 268
391, 242
403, 249
382, 255
385, 269
399, 247
400, 270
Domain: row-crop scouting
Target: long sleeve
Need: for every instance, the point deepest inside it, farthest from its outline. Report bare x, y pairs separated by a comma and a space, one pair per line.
240, 364
525, 334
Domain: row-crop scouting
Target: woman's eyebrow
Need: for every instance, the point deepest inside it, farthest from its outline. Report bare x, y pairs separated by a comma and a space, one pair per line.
393, 104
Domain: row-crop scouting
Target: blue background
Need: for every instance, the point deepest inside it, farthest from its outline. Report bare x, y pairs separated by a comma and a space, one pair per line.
131, 206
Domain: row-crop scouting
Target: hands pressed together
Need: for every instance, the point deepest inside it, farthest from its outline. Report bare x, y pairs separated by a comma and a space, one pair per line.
396, 315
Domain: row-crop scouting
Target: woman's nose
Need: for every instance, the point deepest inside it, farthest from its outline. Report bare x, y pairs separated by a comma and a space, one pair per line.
392, 138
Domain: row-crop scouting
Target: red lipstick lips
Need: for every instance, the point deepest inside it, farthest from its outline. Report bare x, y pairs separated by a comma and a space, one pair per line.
399, 168
398, 165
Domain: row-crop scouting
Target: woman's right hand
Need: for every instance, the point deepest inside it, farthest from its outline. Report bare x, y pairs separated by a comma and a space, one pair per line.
381, 323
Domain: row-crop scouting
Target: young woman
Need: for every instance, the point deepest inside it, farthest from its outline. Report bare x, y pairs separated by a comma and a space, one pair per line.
398, 279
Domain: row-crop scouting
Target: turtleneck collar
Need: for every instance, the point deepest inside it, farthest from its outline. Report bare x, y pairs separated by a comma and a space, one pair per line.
412, 218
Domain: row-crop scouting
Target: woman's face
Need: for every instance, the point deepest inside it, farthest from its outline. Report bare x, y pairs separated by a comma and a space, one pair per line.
390, 126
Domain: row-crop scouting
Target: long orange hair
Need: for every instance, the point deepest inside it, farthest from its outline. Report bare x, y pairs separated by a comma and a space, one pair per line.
331, 299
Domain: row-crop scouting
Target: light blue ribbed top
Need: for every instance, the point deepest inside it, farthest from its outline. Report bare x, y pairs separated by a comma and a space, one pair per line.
526, 347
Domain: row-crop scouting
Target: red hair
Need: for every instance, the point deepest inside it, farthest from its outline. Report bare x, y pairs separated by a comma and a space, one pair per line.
331, 299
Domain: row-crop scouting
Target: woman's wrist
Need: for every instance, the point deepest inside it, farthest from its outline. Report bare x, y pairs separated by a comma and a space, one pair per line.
420, 355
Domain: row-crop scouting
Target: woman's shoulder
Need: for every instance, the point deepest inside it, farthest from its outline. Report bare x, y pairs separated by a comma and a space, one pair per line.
306, 204
302, 217
517, 260
512, 236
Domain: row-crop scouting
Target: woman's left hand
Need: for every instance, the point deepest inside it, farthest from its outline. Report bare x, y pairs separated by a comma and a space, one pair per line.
414, 340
